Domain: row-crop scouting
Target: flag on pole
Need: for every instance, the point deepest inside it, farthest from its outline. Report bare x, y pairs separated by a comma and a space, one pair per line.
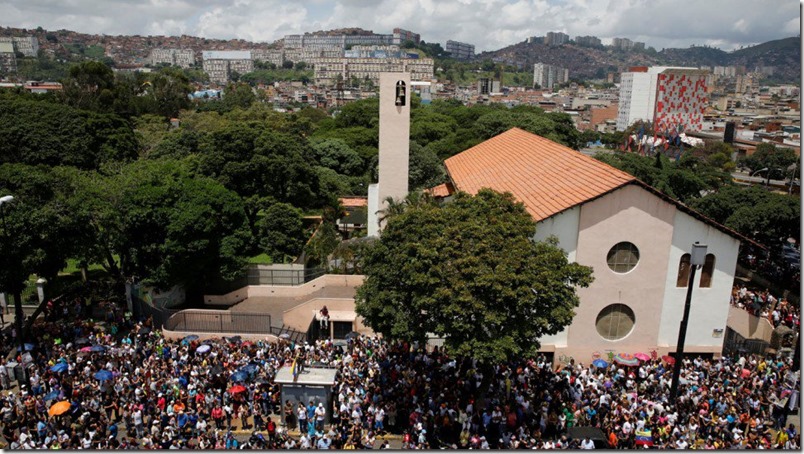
294, 369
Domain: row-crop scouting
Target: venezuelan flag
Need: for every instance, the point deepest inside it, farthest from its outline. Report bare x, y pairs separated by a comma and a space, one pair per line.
643, 438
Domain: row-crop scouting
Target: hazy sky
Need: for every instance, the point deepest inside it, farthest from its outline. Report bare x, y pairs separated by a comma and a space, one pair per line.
488, 24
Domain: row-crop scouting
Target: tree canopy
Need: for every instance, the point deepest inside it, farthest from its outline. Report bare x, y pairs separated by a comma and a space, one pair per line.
470, 272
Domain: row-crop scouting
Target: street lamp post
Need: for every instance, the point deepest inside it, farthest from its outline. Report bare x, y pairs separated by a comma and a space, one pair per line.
697, 259
767, 176
18, 316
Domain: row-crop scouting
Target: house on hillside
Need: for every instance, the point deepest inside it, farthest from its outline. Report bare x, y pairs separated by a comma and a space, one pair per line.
637, 240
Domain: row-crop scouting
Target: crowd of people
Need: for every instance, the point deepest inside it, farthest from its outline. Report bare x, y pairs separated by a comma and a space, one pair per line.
761, 303
89, 388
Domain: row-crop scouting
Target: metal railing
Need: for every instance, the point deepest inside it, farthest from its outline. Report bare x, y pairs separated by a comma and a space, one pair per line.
257, 276
228, 322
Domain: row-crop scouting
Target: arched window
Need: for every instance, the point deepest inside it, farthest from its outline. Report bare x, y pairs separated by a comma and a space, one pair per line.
683, 271
708, 270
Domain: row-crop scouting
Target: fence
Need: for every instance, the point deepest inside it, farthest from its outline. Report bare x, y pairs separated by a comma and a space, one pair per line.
229, 322
735, 344
262, 276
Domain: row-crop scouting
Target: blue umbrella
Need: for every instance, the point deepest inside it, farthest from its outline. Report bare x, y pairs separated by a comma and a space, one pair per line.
98, 348
250, 368
103, 375
52, 394
59, 367
29, 347
203, 348
600, 363
239, 376
190, 338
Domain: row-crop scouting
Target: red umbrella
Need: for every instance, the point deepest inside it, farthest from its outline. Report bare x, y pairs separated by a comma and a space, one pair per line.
86, 349
237, 389
642, 356
669, 359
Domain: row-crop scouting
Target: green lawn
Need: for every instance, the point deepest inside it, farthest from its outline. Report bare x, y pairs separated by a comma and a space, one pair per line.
72, 267
262, 259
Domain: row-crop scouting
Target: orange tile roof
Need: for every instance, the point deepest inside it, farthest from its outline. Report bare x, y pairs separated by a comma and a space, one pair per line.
442, 190
353, 202
546, 176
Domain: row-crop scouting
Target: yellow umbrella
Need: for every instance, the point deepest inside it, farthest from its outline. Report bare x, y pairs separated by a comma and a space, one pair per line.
59, 408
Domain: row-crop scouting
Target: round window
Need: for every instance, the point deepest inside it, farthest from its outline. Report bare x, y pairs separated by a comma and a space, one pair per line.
623, 257
615, 322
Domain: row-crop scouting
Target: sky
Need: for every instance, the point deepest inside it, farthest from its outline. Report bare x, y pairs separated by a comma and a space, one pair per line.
488, 24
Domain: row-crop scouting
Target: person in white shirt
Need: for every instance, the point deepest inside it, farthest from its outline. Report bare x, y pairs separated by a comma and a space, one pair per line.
586, 443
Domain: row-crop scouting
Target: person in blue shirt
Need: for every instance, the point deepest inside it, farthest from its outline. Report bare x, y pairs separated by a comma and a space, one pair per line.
182, 420
113, 430
311, 412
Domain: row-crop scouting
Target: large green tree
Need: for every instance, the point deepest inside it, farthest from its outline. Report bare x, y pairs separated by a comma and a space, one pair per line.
470, 272
41, 132
775, 160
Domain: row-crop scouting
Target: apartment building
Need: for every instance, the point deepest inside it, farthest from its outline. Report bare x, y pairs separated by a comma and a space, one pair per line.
556, 38
670, 97
183, 58
327, 42
401, 35
220, 64
8, 60
588, 41
459, 50
547, 76
627, 44
275, 56
328, 70
375, 52
26, 45
724, 71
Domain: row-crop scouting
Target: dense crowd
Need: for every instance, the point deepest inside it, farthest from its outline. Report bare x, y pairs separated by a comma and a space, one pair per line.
762, 303
91, 388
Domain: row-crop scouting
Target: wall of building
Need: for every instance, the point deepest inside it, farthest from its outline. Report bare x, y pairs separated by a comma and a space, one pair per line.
394, 138
710, 306
628, 214
285, 291
300, 317
565, 227
681, 100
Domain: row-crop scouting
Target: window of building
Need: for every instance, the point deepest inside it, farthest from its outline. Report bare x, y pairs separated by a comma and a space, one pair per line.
706, 272
683, 271
623, 257
615, 322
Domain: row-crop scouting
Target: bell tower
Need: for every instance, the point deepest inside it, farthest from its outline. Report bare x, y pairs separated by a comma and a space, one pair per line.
395, 94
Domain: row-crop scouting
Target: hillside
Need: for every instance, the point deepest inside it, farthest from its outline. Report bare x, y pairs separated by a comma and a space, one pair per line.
587, 62
583, 62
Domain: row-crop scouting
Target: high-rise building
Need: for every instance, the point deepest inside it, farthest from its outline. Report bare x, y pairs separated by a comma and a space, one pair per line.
220, 64
670, 97
183, 58
401, 35
588, 41
626, 44
547, 76
327, 71
459, 50
556, 38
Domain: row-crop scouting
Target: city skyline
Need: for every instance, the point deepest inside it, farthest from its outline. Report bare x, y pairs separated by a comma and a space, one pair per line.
488, 24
